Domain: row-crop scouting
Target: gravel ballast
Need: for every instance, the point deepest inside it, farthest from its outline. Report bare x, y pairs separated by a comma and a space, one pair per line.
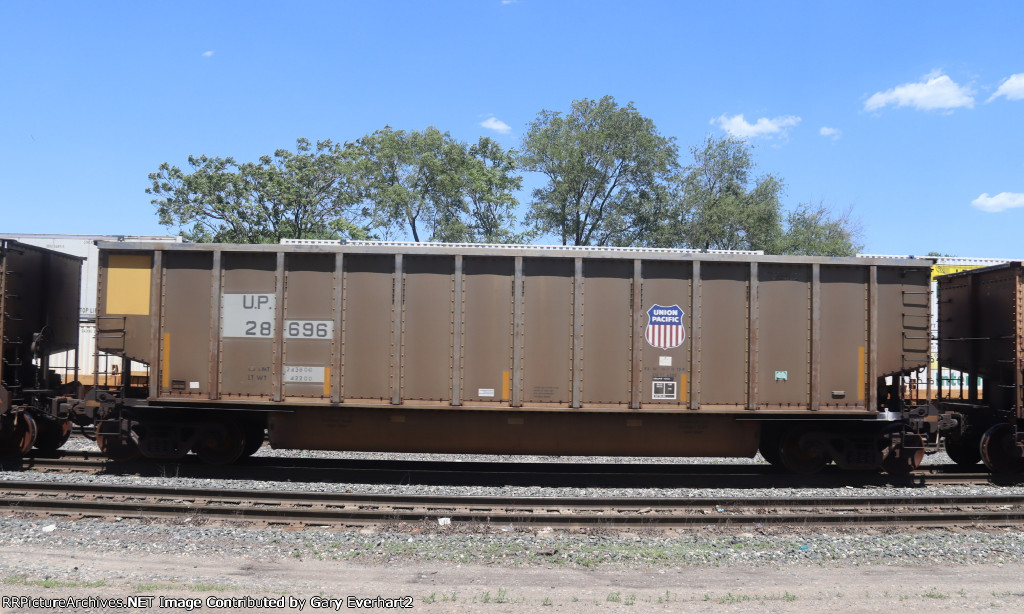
649, 564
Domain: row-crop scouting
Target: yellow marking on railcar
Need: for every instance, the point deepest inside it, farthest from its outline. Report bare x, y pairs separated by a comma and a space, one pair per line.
948, 269
506, 385
165, 363
683, 395
327, 381
861, 374
128, 281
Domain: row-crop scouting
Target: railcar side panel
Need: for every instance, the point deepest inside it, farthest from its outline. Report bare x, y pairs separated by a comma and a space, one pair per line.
843, 320
485, 351
427, 328
666, 373
39, 310
903, 313
548, 331
724, 334
783, 336
982, 328
607, 335
249, 326
308, 334
543, 331
368, 344
36, 293
188, 341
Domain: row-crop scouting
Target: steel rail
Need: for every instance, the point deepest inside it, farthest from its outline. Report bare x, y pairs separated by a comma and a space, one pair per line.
506, 473
84, 500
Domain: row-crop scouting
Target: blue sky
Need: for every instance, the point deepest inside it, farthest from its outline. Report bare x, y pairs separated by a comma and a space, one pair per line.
908, 112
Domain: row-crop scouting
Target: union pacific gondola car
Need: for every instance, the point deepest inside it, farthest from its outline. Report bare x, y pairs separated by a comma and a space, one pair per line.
512, 350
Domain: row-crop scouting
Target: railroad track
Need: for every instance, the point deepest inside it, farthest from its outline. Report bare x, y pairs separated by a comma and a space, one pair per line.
80, 501
504, 473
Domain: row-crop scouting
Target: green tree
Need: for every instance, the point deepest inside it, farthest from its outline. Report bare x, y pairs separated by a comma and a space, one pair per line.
722, 206
610, 174
301, 194
812, 230
490, 184
436, 188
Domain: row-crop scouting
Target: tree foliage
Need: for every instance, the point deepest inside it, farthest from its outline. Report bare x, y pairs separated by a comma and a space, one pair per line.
610, 179
722, 206
812, 230
609, 173
301, 194
436, 188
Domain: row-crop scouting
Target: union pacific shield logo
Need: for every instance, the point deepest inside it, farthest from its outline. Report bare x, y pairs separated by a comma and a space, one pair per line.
665, 327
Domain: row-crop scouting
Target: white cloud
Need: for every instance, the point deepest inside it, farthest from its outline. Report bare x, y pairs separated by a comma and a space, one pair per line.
493, 123
833, 133
936, 91
1012, 88
207, 54
738, 127
999, 202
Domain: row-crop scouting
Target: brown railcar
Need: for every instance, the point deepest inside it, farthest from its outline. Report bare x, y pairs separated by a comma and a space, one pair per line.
513, 350
981, 335
39, 292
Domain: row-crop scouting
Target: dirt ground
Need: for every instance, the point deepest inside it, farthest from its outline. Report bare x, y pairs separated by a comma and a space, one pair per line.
207, 584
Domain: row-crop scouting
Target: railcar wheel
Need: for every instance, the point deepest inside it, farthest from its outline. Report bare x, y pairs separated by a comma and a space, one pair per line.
906, 457
222, 446
23, 435
999, 449
964, 450
108, 438
53, 434
254, 434
802, 457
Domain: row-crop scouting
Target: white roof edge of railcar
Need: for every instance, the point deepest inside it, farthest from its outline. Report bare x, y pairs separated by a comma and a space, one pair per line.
950, 260
95, 237
582, 248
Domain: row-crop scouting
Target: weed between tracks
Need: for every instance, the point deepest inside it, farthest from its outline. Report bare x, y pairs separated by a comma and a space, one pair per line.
48, 583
